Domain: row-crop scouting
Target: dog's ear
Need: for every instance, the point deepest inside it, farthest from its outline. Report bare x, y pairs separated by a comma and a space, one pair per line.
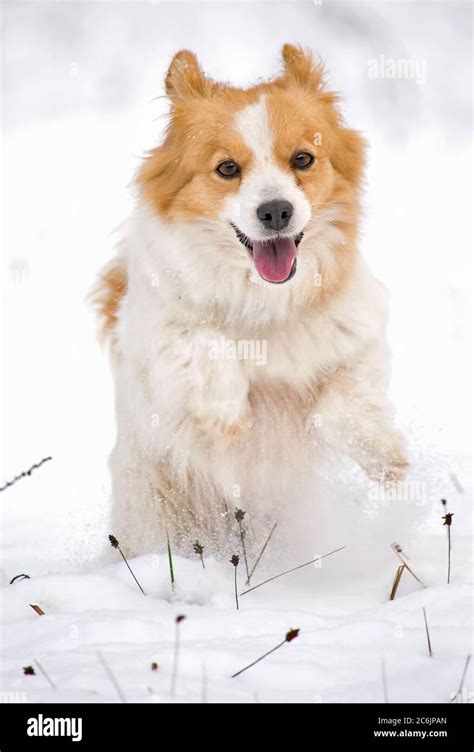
185, 77
301, 67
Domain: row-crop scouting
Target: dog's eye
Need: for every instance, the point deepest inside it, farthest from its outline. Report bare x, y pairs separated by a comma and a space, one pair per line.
228, 169
302, 160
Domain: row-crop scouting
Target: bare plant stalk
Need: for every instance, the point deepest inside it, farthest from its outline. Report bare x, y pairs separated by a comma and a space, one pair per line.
288, 571
24, 474
396, 582
46, 676
112, 677
461, 684
427, 633
449, 553
261, 553
115, 544
170, 560
455, 481
245, 555
448, 520
235, 562
269, 652
290, 635
174, 675
239, 516
398, 551
384, 682
20, 577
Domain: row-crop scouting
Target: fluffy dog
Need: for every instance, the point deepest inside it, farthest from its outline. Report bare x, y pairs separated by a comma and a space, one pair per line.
246, 331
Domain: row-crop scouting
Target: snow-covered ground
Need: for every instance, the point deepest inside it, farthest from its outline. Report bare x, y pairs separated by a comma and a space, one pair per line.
80, 83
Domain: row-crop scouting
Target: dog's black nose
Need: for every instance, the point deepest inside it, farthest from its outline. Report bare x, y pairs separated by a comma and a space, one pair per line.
275, 214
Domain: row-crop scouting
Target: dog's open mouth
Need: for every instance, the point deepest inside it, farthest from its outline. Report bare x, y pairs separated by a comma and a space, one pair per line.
275, 259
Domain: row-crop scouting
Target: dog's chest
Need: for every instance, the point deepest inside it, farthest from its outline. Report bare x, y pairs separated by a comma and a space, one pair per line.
301, 354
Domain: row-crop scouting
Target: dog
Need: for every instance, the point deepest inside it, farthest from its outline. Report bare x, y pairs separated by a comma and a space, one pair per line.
246, 332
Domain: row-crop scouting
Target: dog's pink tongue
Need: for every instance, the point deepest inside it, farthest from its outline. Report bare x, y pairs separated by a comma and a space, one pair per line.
273, 259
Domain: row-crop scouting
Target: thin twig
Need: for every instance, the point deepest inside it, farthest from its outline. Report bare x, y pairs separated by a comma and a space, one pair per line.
396, 582
130, 570
261, 553
25, 473
290, 635
19, 577
46, 676
448, 521
170, 560
384, 682
37, 609
427, 633
239, 516
306, 564
174, 675
398, 551
455, 481
461, 684
115, 544
269, 652
449, 553
111, 677
234, 560
245, 554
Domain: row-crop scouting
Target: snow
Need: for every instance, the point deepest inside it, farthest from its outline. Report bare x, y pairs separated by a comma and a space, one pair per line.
338, 655
79, 97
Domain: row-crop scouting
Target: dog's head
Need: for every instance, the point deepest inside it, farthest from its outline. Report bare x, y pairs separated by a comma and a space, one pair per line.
256, 169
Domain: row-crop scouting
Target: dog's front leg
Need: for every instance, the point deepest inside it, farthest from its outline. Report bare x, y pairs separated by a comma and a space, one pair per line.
356, 418
218, 384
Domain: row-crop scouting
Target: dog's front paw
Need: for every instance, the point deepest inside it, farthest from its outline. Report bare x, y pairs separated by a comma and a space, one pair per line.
389, 473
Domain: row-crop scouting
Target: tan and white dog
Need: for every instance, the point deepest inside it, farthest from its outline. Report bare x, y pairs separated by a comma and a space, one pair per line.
246, 331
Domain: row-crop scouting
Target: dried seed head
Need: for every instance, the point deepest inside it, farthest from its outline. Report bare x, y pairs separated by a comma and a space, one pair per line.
113, 541
235, 560
239, 515
154, 666
198, 548
291, 634
29, 671
180, 618
448, 518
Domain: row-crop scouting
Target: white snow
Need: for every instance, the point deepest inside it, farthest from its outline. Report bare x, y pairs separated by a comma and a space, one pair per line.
79, 91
